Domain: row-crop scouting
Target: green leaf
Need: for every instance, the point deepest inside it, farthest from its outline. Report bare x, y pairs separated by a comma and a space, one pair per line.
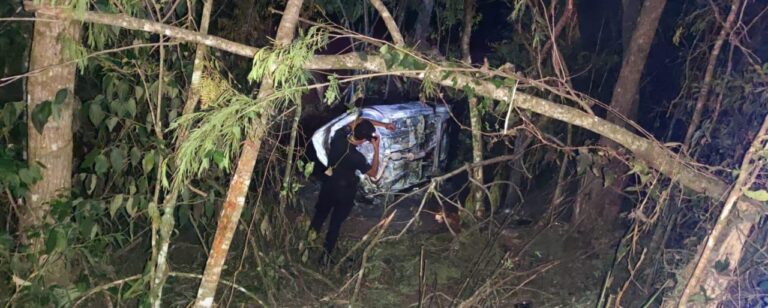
90, 158
130, 207
469, 91
130, 107
153, 212
96, 114
308, 168
722, 265
40, 115
9, 115
138, 92
218, 158
759, 195
117, 159
101, 165
148, 162
61, 95
117, 201
58, 102
56, 241
135, 156
26, 176
116, 107
111, 122
92, 181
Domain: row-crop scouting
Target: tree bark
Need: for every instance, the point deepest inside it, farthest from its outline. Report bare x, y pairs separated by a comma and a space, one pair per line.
707, 83
421, 30
197, 72
477, 197
238, 187
52, 148
595, 202
389, 21
168, 222
466, 35
630, 9
288, 175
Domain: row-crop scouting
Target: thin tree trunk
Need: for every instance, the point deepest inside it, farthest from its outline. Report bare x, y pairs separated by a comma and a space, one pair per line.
477, 195
726, 241
595, 202
197, 72
238, 187
51, 149
630, 9
475, 118
466, 35
167, 222
421, 30
707, 83
514, 195
288, 176
389, 21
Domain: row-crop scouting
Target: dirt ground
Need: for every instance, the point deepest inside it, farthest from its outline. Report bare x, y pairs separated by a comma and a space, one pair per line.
514, 266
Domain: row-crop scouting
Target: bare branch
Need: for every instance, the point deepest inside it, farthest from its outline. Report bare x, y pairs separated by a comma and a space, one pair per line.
389, 21
704, 94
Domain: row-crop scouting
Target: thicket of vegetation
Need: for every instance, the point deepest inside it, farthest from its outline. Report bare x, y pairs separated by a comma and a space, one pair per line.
144, 162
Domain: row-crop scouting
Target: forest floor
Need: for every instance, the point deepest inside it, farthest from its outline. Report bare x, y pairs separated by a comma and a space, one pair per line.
498, 267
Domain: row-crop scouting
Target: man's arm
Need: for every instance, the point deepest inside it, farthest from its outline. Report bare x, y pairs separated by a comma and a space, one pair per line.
375, 163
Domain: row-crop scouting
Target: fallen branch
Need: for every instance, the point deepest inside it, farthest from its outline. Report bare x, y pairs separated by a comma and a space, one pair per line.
725, 242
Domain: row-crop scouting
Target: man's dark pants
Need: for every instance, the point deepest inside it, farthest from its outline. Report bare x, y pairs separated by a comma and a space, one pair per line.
337, 202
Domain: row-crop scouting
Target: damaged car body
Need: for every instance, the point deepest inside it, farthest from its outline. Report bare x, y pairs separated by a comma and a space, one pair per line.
410, 155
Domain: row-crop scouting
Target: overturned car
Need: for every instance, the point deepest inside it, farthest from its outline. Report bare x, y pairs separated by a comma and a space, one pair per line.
410, 155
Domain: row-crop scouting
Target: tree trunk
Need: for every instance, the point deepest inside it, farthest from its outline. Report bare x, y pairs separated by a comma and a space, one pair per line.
52, 148
630, 9
421, 30
197, 72
466, 35
168, 222
389, 21
477, 196
514, 193
238, 187
288, 175
595, 202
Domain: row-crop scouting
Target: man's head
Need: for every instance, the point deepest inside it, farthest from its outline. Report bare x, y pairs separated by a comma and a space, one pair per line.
364, 131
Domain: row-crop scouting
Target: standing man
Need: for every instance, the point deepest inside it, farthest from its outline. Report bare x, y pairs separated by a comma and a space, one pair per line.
337, 194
